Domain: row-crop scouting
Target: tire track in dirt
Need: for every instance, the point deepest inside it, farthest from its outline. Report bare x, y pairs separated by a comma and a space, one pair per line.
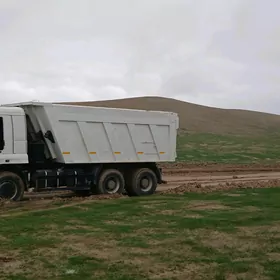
176, 183
206, 188
221, 166
229, 170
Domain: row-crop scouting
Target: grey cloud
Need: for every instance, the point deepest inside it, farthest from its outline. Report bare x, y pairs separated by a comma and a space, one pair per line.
219, 53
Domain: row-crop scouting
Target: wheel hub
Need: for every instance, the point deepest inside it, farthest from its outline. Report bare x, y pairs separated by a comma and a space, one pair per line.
111, 184
7, 190
146, 183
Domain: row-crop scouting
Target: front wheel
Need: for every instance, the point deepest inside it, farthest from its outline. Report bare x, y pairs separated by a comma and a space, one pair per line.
11, 186
141, 181
111, 181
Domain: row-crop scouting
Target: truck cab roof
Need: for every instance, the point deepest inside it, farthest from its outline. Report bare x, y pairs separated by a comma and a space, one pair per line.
14, 111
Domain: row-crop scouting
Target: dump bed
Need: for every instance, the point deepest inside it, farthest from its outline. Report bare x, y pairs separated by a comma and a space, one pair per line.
85, 134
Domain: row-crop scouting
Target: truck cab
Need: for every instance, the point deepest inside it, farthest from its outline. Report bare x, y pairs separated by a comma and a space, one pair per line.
13, 136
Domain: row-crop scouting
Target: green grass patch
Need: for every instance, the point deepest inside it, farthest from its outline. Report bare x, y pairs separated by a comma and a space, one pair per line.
192, 236
205, 147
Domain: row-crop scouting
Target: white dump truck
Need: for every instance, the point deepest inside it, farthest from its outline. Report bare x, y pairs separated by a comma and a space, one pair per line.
45, 146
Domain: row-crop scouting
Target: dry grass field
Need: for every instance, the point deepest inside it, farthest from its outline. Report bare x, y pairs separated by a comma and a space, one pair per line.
233, 234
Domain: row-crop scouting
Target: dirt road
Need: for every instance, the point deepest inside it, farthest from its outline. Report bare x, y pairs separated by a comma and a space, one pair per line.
216, 178
178, 179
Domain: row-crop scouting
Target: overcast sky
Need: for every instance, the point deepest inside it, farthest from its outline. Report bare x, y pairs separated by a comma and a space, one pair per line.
223, 53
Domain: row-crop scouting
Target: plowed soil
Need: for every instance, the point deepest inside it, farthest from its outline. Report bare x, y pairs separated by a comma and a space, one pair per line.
180, 179
217, 167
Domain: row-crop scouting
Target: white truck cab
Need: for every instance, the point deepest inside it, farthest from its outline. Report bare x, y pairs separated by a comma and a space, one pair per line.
13, 136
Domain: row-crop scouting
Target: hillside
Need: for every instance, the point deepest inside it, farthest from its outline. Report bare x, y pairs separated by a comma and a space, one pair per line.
201, 119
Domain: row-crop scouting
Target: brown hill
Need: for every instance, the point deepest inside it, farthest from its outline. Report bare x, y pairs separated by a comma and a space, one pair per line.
202, 119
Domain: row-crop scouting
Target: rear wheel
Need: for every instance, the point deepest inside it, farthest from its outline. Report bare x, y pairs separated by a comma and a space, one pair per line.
11, 186
111, 181
141, 181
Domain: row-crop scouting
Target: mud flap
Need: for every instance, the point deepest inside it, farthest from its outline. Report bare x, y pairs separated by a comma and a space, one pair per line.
159, 176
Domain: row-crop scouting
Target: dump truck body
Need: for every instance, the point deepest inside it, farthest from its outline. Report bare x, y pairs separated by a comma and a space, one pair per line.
102, 135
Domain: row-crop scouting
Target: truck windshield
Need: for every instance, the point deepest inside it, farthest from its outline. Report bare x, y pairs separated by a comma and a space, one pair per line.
2, 143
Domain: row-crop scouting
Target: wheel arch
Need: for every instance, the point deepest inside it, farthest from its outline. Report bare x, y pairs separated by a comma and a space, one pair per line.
157, 170
18, 170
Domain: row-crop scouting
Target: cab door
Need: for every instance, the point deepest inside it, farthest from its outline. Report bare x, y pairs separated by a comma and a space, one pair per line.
6, 139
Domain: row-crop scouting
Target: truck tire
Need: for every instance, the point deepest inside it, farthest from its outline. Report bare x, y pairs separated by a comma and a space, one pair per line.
11, 186
142, 181
111, 181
